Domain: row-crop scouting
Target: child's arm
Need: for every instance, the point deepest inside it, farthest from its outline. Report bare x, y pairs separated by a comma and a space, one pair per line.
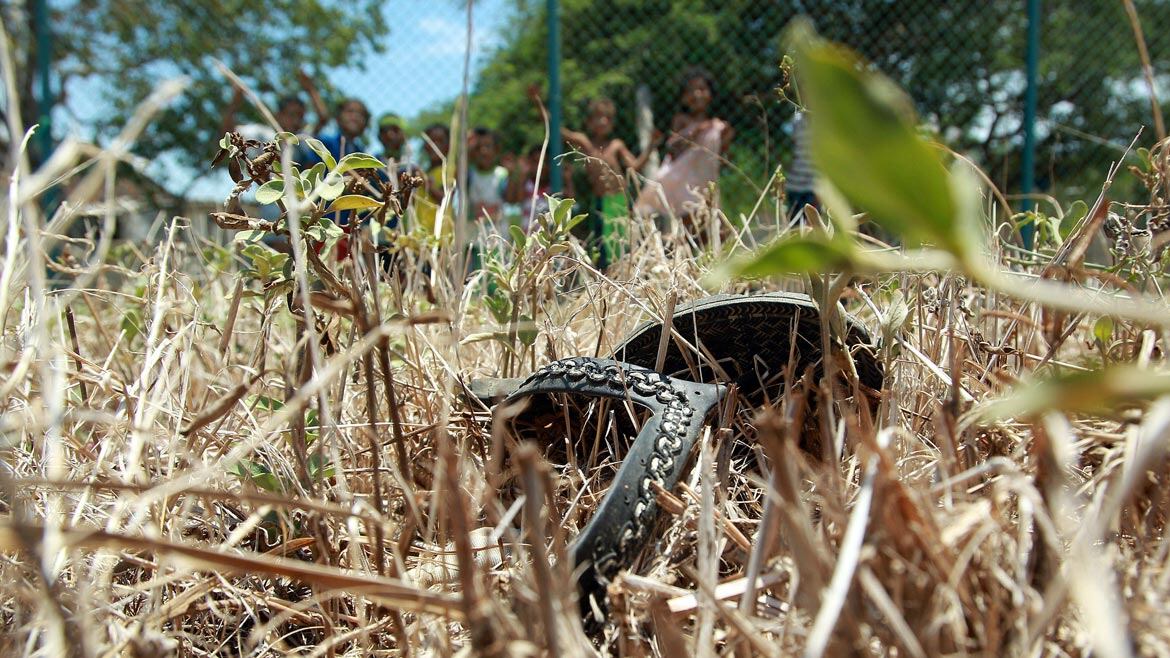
514, 188
726, 137
318, 105
636, 163
577, 139
680, 137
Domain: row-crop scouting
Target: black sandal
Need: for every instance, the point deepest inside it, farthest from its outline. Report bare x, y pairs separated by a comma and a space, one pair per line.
743, 340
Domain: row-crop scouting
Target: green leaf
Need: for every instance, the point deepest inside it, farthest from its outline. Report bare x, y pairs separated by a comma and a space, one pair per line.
499, 306
250, 236
322, 152
132, 323
526, 330
226, 142
324, 230
258, 474
278, 261
352, 202
864, 141
265, 261
807, 254
518, 235
270, 192
319, 469
359, 161
1143, 155
1103, 329
287, 137
558, 210
575, 220
331, 186
315, 174
1103, 392
265, 402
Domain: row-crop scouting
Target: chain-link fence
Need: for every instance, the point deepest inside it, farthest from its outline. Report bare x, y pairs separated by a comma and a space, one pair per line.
963, 63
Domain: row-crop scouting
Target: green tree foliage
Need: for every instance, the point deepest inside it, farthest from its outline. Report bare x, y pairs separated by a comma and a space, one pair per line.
962, 62
125, 47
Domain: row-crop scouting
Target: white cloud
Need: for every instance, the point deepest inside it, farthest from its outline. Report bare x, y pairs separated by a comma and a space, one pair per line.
446, 38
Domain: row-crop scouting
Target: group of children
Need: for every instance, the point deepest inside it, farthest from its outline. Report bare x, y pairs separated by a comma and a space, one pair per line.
503, 188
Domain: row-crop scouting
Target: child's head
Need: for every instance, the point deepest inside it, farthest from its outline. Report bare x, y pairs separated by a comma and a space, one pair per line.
485, 148
390, 134
438, 142
290, 114
599, 121
698, 88
352, 118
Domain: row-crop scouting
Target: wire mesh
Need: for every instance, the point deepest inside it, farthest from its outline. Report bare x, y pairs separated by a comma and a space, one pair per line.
961, 61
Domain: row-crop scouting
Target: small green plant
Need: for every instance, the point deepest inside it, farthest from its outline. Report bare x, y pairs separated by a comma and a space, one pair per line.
330, 188
516, 272
262, 476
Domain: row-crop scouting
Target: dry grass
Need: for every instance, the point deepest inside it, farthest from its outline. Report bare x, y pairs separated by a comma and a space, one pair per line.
131, 393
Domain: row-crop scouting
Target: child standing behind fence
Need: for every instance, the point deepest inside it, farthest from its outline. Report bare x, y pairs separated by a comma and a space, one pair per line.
439, 179
606, 160
694, 148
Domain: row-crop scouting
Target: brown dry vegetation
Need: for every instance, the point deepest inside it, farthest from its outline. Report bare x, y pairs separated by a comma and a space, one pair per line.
391, 516
125, 533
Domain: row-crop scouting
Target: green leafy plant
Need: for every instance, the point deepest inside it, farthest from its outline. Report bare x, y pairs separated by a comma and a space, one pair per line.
327, 188
319, 469
872, 158
513, 273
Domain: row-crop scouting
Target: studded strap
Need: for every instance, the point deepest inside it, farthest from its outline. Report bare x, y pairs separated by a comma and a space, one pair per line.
622, 524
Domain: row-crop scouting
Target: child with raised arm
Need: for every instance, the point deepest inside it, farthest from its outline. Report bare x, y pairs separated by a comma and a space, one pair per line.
607, 158
694, 149
290, 110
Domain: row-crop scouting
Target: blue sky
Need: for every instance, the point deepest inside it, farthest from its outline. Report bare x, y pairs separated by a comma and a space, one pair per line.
423, 62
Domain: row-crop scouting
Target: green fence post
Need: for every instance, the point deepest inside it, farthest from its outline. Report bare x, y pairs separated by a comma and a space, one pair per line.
554, 95
44, 59
1028, 159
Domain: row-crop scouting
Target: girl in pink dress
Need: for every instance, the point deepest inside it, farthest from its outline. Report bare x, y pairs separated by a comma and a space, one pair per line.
697, 142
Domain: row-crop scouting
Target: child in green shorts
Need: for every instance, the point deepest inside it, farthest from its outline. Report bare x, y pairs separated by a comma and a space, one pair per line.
606, 160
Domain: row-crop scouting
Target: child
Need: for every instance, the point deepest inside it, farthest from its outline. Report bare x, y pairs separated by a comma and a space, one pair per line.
352, 120
694, 148
606, 160
801, 176
392, 137
440, 176
486, 179
290, 112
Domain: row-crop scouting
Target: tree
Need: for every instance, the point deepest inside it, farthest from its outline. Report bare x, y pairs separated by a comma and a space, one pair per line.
125, 47
962, 62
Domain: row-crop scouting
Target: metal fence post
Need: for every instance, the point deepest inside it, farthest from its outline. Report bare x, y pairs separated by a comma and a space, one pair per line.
1028, 159
554, 95
44, 62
